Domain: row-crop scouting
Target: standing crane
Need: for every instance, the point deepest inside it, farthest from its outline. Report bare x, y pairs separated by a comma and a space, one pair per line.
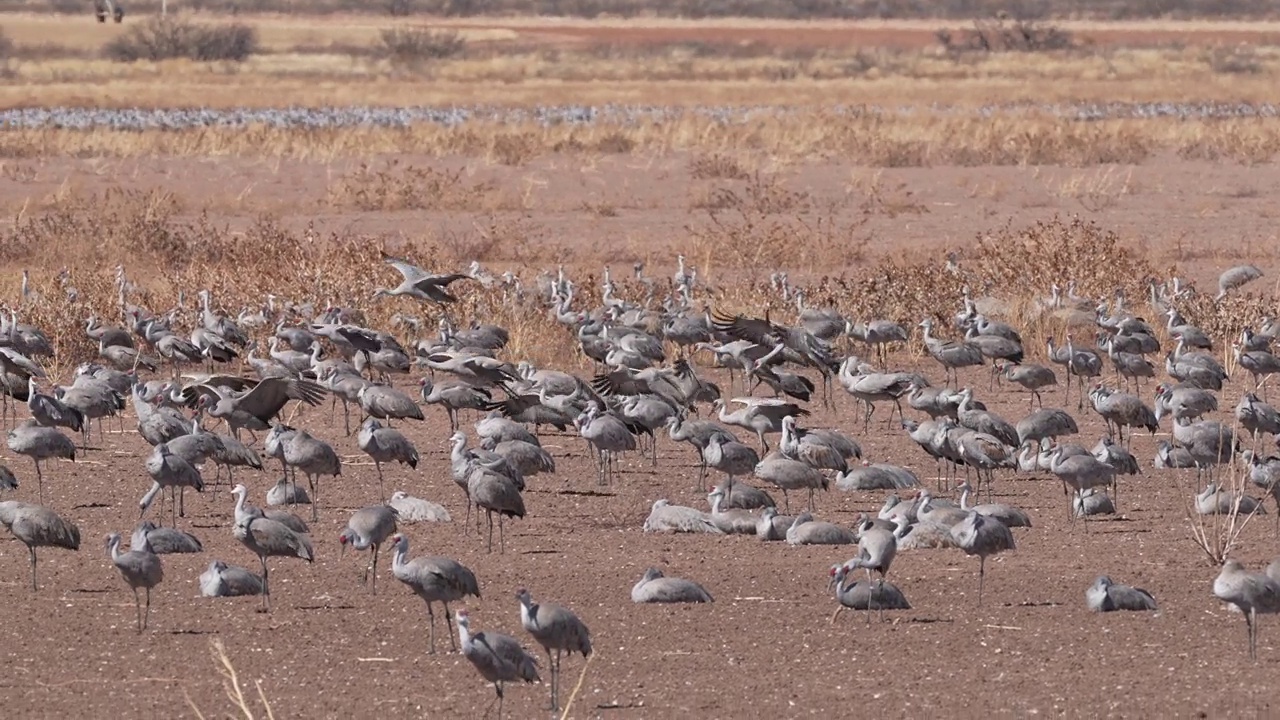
555, 628
140, 568
434, 579
38, 526
368, 528
498, 658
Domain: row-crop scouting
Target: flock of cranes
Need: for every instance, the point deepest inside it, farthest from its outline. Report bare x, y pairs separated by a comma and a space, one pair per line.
648, 383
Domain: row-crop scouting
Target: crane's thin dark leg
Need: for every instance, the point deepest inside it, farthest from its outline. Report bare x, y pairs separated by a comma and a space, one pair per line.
502, 536
266, 587
378, 465
39, 477
146, 616
490, 514
137, 607
982, 571
32, 550
448, 621
314, 481
431, 620
871, 597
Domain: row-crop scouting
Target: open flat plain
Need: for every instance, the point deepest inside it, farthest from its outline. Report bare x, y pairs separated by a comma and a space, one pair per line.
828, 199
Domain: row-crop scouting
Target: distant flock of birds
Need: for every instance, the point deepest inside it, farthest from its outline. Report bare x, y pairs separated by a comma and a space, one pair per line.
647, 384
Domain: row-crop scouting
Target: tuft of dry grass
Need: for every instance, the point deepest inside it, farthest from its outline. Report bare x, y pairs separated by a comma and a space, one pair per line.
405, 187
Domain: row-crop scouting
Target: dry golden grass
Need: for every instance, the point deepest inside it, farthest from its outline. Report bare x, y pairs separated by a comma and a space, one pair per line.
88, 236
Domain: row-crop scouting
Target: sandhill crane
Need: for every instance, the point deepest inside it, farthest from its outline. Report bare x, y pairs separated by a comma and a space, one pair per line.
244, 510
1130, 366
1256, 416
1210, 442
168, 470
999, 349
876, 476
1251, 593
729, 456
760, 415
1215, 500
607, 435
434, 579
39, 444
410, 509
817, 448
1121, 410
38, 526
1080, 472
667, 518
1104, 595
771, 526
386, 445
48, 411
140, 568
223, 580
951, 355
788, 474
1030, 376
1046, 424
387, 403
934, 402
805, 530
655, 587
255, 409
1007, 514
730, 521
476, 369
498, 658
1187, 335
266, 538
555, 628
526, 457
1236, 277
871, 388
157, 423
1092, 501
492, 493
164, 541
286, 493
877, 334
454, 396
863, 595
369, 527
314, 458
984, 537
8, 481
420, 284
877, 548
1261, 364
743, 496
697, 433
1184, 403
1198, 370
1080, 364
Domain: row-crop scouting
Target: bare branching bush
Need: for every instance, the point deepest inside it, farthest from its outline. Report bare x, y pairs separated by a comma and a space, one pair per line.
166, 38
418, 46
717, 166
406, 187
1218, 534
1004, 35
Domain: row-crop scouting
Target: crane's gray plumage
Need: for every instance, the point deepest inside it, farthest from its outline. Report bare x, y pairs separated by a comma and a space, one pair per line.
223, 580
1251, 593
314, 457
498, 658
984, 537
788, 474
386, 445
434, 579
369, 527
164, 541
1046, 424
554, 628
805, 530
40, 444
266, 538
655, 587
38, 526
410, 509
667, 518
1104, 595
140, 568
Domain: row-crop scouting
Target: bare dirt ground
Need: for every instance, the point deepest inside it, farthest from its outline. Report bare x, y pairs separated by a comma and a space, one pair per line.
330, 648
765, 647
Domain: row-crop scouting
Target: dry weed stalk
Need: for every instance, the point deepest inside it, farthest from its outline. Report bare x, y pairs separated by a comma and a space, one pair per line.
232, 687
